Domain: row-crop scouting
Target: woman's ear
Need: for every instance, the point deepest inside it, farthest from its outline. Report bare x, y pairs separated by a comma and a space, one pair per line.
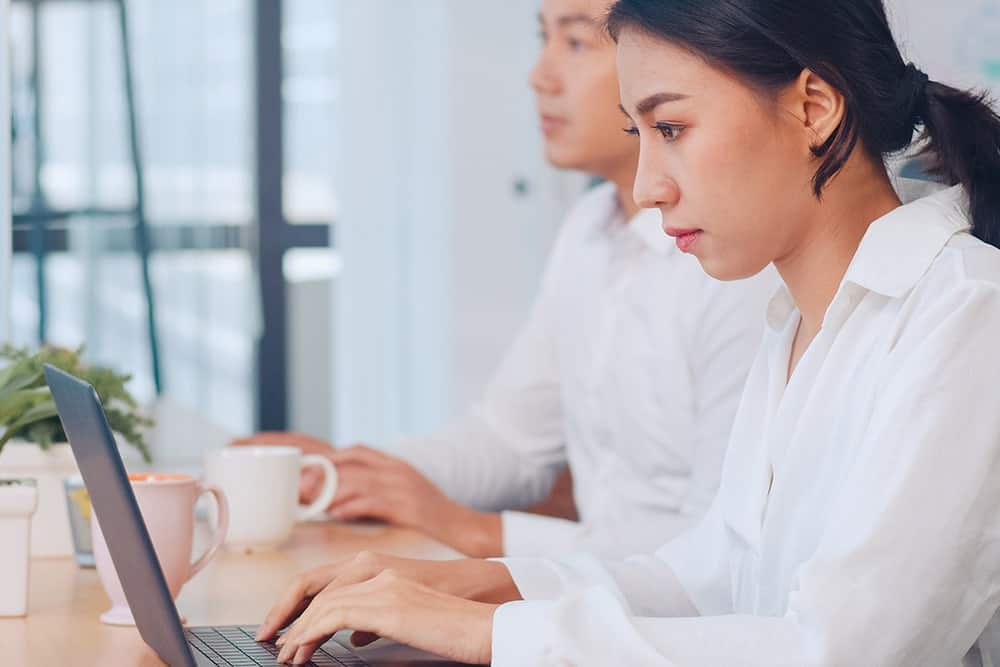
816, 105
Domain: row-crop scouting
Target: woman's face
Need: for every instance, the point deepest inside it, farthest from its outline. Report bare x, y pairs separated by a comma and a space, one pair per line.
576, 84
730, 172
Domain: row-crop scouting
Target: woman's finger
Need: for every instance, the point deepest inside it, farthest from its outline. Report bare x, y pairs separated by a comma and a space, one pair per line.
305, 652
295, 599
361, 638
328, 613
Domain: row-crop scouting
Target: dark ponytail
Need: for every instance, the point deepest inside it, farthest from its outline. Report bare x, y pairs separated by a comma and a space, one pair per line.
767, 44
962, 133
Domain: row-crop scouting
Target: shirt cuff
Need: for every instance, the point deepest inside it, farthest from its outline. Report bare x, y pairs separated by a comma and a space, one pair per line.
521, 634
535, 578
535, 535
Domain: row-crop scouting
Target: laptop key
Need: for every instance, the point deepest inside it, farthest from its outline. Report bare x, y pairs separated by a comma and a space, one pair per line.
208, 652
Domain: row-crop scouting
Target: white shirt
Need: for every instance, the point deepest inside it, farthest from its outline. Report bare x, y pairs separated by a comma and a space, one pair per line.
630, 369
879, 543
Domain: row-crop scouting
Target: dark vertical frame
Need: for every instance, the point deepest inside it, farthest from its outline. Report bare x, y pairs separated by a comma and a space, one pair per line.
271, 393
274, 235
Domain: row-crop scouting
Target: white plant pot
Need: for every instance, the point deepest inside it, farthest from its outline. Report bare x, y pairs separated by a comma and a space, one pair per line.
17, 504
51, 536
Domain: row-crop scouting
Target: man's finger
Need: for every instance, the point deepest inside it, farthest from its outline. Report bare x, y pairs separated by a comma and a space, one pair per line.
307, 443
360, 454
310, 483
362, 507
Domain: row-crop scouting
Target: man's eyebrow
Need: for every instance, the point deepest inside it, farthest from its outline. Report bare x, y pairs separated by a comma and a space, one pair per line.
570, 19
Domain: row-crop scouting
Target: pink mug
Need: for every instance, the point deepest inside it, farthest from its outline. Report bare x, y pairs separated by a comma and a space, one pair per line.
166, 502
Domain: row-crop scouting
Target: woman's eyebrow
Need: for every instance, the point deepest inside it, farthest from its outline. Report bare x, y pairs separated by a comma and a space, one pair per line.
649, 103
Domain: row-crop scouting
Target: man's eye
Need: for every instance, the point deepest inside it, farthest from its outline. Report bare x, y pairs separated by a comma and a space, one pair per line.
634, 131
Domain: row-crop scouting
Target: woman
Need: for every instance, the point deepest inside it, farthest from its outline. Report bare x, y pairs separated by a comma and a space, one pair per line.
857, 519
629, 370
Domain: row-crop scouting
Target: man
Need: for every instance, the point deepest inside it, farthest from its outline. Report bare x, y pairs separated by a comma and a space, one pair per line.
629, 368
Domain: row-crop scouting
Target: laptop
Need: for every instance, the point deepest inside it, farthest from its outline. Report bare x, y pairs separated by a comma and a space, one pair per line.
132, 553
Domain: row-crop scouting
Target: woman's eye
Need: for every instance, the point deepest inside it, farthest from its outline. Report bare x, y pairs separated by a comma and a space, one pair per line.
575, 44
669, 131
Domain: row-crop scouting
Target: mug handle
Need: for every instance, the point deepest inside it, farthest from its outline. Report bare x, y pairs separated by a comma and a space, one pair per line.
318, 506
221, 528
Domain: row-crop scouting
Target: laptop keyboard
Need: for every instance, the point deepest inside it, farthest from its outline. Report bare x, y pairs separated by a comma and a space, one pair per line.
235, 646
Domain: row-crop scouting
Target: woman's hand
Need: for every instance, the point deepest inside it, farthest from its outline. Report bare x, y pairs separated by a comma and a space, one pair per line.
477, 580
397, 608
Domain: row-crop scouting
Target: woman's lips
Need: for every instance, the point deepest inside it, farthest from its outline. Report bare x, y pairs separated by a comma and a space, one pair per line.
686, 238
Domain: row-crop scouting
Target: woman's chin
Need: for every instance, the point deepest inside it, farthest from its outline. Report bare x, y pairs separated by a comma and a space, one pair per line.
726, 269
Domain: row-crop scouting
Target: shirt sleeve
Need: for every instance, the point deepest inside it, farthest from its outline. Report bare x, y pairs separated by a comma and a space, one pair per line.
526, 534
508, 450
907, 571
723, 343
721, 337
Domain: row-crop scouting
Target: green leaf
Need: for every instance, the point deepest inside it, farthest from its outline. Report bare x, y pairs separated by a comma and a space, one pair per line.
20, 375
36, 413
26, 408
19, 402
44, 433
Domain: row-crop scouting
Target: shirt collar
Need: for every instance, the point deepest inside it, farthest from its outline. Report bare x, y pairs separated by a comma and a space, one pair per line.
897, 249
780, 308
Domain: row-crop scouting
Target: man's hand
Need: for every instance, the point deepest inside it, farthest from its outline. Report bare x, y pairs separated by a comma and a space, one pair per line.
311, 480
560, 502
375, 485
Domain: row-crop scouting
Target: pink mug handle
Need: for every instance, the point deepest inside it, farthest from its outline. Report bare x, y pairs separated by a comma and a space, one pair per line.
221, 528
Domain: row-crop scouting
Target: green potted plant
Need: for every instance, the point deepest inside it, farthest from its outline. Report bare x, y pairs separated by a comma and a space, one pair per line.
33, 443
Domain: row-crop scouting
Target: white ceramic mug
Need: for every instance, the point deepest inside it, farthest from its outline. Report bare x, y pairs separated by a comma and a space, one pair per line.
262, 486
166, 502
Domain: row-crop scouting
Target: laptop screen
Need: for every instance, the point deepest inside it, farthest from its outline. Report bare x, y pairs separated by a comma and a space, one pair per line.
113, 502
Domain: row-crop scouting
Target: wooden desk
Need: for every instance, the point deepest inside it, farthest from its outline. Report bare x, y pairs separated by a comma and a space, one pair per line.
62, 626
